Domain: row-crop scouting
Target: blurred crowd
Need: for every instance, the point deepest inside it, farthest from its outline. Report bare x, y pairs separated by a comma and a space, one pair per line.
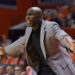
16, 70
63, 15
16, 64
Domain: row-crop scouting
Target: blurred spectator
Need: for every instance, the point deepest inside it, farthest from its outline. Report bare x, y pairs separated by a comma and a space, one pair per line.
68, 21
9, 70
47, 13
18, 70
4, 40
55, 17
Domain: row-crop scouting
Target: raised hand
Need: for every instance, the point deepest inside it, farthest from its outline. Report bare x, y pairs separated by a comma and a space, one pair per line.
71, 45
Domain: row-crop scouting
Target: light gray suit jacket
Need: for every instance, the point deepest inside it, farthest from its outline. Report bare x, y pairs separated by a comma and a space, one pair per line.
53, 33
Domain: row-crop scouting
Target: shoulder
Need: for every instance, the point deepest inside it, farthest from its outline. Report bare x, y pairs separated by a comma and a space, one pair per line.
51, 24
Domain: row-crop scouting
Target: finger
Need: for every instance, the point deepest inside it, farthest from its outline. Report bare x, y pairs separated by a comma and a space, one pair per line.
67, 40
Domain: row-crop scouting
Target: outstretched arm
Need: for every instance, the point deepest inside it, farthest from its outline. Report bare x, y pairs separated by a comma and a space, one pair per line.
63, 37
15, 46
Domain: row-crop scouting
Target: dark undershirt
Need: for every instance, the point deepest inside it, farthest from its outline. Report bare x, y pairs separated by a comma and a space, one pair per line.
34, 45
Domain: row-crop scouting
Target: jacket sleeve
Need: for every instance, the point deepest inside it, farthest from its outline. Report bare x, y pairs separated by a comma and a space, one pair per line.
15, 46
60, 34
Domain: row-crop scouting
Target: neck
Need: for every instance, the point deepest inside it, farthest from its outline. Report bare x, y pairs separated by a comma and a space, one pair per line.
36, 26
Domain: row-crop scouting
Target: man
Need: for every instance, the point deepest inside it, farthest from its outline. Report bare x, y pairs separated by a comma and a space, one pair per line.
45, 42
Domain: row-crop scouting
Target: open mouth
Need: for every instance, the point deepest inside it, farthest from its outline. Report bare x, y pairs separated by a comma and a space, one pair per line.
28, 23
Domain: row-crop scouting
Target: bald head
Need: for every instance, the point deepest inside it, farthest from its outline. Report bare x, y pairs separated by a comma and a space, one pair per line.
33, 17
36, 11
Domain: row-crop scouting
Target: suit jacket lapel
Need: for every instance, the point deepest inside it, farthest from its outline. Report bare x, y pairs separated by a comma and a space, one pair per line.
42, 35
27, 34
